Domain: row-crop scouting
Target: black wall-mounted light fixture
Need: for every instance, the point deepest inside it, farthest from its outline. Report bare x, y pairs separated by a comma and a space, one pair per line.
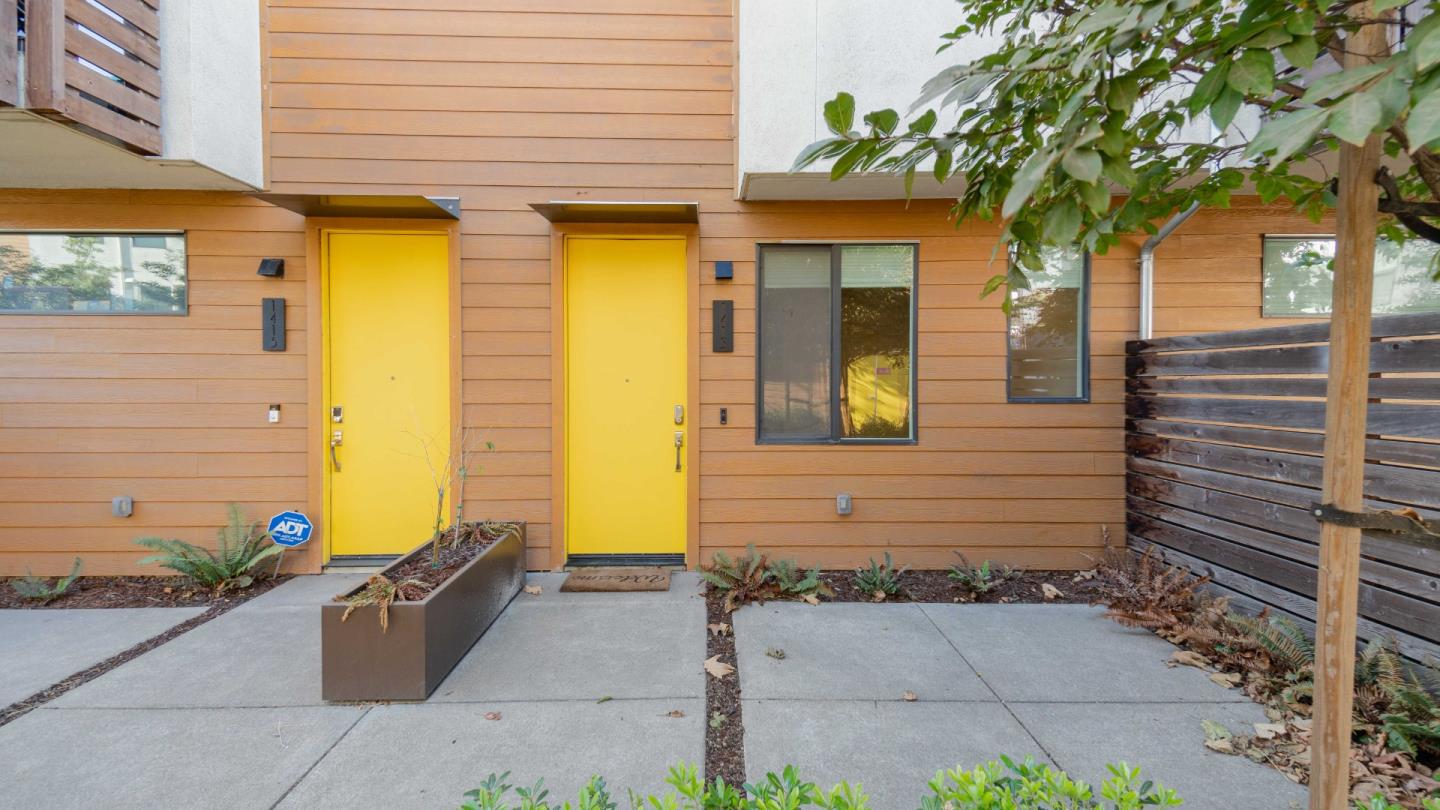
272, 268
724, 271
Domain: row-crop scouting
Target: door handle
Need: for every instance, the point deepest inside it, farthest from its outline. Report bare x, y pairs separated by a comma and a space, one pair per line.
336, 439
679, 441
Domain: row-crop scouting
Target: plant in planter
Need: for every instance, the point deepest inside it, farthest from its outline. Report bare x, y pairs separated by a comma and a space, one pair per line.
232, 565
429, 606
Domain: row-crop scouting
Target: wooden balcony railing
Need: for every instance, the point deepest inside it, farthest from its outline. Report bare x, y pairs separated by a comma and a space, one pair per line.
96, 64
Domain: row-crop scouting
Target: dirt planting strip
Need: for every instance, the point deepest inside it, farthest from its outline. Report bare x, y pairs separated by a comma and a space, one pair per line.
217, 608
724, 728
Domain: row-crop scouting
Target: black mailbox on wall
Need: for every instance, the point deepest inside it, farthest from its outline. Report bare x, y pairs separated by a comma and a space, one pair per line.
272, 324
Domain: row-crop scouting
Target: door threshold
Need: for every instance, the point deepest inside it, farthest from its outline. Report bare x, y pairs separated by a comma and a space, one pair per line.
625, 561
355, 563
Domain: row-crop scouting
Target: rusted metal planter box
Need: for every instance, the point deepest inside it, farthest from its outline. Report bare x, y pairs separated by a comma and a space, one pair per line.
426, 638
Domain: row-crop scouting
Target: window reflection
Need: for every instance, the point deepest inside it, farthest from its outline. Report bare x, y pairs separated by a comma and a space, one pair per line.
92, 273
1298, 276
1048, 358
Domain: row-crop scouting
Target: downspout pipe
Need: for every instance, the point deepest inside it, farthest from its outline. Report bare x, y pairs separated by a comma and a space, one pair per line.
1147, 269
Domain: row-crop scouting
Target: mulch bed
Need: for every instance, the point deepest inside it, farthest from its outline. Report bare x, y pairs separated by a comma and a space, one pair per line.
218, 606
936, 586
135, 592
474, 538
725, 740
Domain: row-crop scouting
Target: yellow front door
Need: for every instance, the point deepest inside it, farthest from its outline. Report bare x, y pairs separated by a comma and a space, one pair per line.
387, 387
625, 384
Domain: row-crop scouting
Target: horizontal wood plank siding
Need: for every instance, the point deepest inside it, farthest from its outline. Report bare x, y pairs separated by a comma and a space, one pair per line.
504, 103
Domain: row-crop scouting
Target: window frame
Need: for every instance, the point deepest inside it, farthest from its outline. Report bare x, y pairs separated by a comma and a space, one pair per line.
1085, 387
184, 310
835, 332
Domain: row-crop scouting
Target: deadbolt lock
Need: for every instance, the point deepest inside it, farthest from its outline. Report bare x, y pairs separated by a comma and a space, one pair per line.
337, 413
679, 414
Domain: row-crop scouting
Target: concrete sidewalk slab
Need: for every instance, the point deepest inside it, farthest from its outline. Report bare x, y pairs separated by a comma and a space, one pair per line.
427, 755
191, 758
1167, 742
848, 652
43, 647
1069, 653
265, 652
891, 748
564, 650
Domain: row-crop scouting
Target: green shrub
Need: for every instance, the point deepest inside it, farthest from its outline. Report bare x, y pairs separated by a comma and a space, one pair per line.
40, 589
1381, 803
979, 580
992, 786
880, 579
230, 566
793, 581
755, 578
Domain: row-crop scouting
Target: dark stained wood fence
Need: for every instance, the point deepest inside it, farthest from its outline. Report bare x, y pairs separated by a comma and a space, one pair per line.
1224, 440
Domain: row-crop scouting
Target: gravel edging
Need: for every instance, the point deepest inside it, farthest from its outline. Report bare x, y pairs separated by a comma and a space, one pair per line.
20, 708
725, 741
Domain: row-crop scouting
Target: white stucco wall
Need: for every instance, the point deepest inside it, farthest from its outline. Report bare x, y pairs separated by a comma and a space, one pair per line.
210, 86
797, 54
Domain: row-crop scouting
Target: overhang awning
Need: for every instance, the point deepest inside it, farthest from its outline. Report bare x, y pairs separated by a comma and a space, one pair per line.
387, 206
618, 212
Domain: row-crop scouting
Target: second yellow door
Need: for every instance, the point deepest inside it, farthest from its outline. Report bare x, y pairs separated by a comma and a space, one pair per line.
627, 419
387, 412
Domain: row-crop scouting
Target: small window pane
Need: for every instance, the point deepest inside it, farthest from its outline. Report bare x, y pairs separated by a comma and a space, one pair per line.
875, 329
92, 273
1298, 277
1047, 331
795, 343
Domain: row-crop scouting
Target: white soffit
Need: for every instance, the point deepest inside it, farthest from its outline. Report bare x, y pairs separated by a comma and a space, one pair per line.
40, 153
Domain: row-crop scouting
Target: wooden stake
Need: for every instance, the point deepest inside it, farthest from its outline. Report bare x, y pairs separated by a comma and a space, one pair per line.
1345, 406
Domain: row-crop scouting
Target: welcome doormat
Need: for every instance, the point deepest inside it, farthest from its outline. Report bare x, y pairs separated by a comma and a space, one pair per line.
617, 579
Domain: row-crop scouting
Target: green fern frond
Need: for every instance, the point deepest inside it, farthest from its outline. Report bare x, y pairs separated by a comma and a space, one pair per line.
240, 546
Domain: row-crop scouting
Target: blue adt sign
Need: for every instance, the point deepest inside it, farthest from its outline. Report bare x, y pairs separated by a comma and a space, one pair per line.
290, 529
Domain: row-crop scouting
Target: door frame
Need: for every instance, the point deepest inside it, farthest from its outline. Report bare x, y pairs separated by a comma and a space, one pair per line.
317, 274
558, 235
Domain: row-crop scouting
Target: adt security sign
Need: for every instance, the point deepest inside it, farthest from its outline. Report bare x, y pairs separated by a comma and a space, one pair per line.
290, 529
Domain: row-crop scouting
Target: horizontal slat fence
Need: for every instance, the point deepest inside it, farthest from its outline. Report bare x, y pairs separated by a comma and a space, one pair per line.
1224, 457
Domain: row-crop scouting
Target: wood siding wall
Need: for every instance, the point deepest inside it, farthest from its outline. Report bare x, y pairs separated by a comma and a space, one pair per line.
504, 103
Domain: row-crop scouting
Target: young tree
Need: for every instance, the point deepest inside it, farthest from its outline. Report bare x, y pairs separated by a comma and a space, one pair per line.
1094, 118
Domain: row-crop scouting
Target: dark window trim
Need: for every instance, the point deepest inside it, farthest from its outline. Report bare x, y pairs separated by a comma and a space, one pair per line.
835, 326
1084, 398
185, 305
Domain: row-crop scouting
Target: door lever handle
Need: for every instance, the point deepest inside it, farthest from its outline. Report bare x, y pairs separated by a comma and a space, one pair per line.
335, 439
679, 441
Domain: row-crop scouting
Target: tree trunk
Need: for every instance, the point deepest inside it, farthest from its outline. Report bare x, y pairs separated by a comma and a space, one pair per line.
1344, 477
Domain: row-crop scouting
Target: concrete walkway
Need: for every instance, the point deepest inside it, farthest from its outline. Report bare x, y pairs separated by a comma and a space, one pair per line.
1057, 682
568, 685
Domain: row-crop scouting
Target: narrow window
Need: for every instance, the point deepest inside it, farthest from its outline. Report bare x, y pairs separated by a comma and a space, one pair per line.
1298, 274
92, 273
836, 329
1049, 346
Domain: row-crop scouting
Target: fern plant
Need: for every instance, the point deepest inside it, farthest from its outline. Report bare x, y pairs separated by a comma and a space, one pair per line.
755, 578
880, 580
381, 592
40, 589
231, 566
794, 581
1412, 720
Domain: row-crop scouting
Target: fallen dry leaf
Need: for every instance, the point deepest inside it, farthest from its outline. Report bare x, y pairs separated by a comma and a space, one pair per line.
605, 699
717, 668
878, 596
1268, 731
492, 715
776, 653
1229, 680
1188, 658
1050, 591
1220, 746
674, 713
1081, 576
910, 697
1217, 737
719, 628
534, 590
811, 599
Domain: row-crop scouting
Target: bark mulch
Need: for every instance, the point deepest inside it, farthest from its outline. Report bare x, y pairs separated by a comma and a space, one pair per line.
724, 730
217, 606
135, 592
1075, 587
474, 538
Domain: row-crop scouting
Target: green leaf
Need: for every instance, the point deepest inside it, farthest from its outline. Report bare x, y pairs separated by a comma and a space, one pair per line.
943, 160
909, 182
1340, 83
847, 160
923, 124
1253, 73
1208, 88
1426, 52
1288, 134
1222, 112
1353, 119
1027, 179
1120, 172
1301, 22
1423, 125
1124, 90
840, 114
992, 285
883, 121
1082, 164
1301, 51
1393, 96
1096, 197
1386, 5
1062, 223
814, 152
